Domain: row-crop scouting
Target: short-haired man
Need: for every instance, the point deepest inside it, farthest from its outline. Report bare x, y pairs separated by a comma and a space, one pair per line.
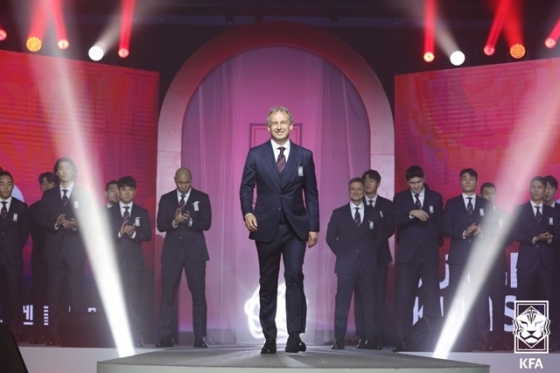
282, 223
47, 180
462, 222
130, 226
112, 193
417, 213
184, 214
354, 234
65, 251
14, 230
384, 207
497, 223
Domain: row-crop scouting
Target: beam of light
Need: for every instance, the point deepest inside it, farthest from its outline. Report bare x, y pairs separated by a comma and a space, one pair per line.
457, 58
96, 53
3, 33
551, 40
96, 234
513, 27
126, 27
528, 157
429, 17
38, 25
56, 11
497, 26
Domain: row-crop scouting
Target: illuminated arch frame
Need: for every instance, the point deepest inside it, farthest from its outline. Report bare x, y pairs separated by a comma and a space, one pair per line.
268, 34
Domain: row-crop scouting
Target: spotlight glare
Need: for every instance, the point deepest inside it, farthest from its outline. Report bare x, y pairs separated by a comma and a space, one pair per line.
63, 44
429, 56
3, 34
489, 50
457, 58
517, 51
550, 43
34, 44
96, 53
123, 52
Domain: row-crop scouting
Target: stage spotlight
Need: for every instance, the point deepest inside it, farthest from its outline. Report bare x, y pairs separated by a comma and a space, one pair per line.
550, 43
457, 58
429, 56
551, 40
63, 44
517, 51
489, 50
3, 34
96, 53
123, 53
34, 44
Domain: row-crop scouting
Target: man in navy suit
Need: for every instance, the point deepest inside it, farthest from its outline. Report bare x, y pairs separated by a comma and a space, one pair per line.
496, 224
47, 180
384, 207
14, 229
65, 251
131, 226
537, 229
463, 218
281, 223
183, 214
417, 214
354, 234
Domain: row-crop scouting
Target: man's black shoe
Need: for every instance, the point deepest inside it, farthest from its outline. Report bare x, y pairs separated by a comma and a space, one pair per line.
165, 342
199, 342
338, 344
295, 344
269, 346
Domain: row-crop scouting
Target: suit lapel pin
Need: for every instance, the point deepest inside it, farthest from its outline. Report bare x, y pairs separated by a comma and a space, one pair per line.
380, 213
195, 205
300, 171
76, 204
431, 209
481, 212
15, 218
550, 221
370, 224
137, 221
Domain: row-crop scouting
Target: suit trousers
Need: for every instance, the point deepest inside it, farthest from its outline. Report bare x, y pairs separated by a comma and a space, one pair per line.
131, 280
379, 296
60, 268
11, 280
39, 295
407, 277
171, 272
291, 248
344, 285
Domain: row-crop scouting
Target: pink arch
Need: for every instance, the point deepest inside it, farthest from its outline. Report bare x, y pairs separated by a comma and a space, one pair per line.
266, 34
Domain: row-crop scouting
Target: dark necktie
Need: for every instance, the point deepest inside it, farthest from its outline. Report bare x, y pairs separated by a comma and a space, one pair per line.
370, 202
182, 202
126, 214
65, 197
4, 212
281, 161
538, 215
469, 205
357, 218
418, 203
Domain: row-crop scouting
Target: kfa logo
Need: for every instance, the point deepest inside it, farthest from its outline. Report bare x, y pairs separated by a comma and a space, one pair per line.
531, 327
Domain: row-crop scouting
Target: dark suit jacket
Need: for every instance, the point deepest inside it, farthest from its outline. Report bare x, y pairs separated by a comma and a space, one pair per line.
38, 232
385, 210
526, 228
354, 245
14, 230
280, 194
413, 234
184, 237
56, 238
456, 220
129, 249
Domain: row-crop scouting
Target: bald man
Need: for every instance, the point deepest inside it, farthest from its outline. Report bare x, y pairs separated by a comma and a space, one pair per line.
183, 214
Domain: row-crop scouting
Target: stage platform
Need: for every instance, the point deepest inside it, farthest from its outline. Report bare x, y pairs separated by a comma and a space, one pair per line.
235, 359
246, 358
